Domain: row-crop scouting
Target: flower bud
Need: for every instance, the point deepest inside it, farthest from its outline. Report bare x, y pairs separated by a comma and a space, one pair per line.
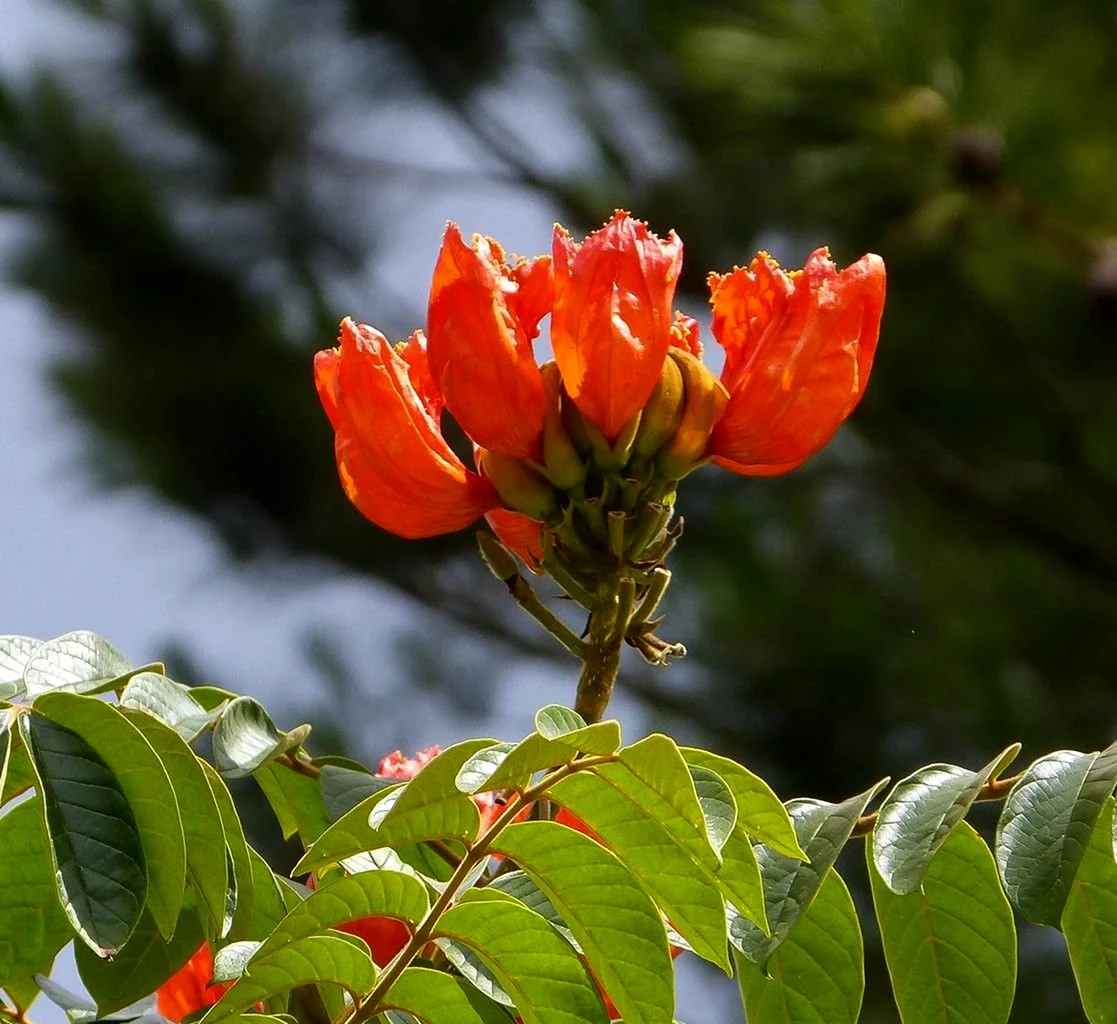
500, 561
705, 402
519, 486
662, 413
565, 467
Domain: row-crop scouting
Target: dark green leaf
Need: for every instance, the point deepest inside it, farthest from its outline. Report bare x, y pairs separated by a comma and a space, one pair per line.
1090, 923
20, 776
149, 792
917, 816
268, 904
339, 959
531, 961
759, 811
98, 859
168, 701
951, 947
344, 788
440, 999
790, 885
687, 892
818, 973
1045, 827
206, 859
613, 919
33, 927
77, 662
145, 962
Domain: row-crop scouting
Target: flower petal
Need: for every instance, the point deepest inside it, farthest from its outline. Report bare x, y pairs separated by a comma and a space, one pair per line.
482, 318
798, 350
393, 461
520, 534
612, 317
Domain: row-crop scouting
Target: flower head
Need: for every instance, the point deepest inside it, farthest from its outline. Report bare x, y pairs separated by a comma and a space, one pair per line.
578, 460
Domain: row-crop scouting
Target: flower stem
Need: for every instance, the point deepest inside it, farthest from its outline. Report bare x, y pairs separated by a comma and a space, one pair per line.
602, 659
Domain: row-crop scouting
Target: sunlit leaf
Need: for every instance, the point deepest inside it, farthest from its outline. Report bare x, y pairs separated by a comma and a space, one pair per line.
917, 816
168, 701
77, 662
33, 927
531, 961
789, 884
615, 922
818, 973
15, 653
1045, 826
245, 738
951, 946
438, 998
238, 913
1090, 923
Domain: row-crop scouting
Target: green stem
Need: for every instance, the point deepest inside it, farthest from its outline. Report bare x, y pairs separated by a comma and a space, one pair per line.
602, 660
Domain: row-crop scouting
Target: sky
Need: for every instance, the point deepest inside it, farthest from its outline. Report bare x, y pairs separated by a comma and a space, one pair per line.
144, 574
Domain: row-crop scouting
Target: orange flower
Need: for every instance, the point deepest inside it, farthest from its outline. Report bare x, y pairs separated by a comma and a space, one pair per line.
626, 409
188, 989
393, 461
612, 317
798, 350
482, 318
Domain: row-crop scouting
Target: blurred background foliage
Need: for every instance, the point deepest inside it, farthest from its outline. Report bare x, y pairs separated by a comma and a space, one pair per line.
938, 583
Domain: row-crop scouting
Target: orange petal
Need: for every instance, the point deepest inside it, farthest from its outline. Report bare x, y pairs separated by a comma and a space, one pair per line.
612, 317
482, 318
188, 989
393, 461
798, 350
520, 534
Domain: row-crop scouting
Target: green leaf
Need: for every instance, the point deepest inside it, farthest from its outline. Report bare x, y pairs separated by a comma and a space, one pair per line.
1090, 923
145, 783
531, 961
296, 800
369, 894
350, 835
658, 859
431, 806
97, 855
718, 806
33, 927
790, 885
440, 999
238, 914
245, 738
1045, 827
145, 962
615, 922
950, 948
818, 973
344, 788
206, 859
917, 816
340, 959
473, 969
15, 653
20, 776
268, 904
168, 701
231, 961
563, 725
75, 662
760, 813
519, 885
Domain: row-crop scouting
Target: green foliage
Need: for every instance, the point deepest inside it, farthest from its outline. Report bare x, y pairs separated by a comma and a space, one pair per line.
474, 917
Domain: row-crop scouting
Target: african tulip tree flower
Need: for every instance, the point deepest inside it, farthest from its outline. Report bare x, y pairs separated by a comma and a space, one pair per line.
578, 460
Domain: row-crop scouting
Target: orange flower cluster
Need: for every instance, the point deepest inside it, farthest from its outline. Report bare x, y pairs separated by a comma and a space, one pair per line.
626, 395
